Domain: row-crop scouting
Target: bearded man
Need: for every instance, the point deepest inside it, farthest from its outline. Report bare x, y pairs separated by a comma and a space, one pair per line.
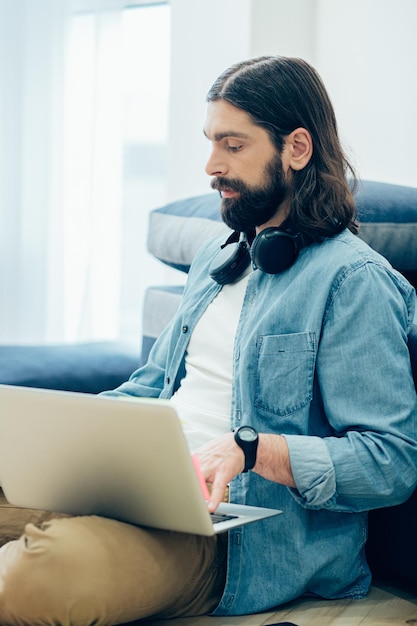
284, 362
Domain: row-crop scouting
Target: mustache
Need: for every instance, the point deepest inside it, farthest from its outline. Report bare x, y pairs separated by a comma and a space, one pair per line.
220, 184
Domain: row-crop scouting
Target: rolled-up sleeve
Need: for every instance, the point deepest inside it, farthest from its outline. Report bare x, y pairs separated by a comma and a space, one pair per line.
316, 481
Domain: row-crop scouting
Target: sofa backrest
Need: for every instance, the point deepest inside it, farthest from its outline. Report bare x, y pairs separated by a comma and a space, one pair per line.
388, 216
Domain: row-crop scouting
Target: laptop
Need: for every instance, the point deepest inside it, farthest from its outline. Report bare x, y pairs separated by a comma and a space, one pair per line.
126, 459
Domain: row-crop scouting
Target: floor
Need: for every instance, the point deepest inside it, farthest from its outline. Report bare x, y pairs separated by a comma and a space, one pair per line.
384, 605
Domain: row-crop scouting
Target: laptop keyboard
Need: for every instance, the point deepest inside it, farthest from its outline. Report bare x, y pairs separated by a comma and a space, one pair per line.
221, 517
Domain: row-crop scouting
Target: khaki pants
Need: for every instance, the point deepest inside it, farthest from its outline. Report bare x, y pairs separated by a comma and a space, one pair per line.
71, 571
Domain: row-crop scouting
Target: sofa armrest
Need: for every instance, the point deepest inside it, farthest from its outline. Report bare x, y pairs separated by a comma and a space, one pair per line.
160, 305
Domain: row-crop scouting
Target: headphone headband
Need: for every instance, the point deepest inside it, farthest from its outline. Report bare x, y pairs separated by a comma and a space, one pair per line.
273, 251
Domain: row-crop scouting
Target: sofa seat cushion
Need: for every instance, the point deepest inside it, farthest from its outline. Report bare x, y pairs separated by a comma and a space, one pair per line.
84, 367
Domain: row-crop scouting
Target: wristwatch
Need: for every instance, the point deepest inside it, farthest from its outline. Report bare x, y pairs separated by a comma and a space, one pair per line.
247, 438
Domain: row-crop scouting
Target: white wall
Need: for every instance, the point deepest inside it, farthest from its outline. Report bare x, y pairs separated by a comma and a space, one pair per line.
207, 36
365, 51
369, 63
285, 27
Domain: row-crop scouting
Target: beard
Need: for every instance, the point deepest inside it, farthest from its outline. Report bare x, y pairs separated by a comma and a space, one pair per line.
255, 205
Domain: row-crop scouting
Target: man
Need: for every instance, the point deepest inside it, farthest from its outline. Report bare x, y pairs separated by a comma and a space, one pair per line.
305, 343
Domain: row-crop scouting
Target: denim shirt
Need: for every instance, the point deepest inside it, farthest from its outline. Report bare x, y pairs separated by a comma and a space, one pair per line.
320, 357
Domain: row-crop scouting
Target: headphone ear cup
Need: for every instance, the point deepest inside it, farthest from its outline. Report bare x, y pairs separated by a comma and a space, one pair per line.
273, 251
230, 262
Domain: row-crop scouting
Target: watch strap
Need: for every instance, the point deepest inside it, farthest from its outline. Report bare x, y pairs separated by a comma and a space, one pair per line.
249, 448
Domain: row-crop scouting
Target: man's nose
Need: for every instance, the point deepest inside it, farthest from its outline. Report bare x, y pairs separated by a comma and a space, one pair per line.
216, 166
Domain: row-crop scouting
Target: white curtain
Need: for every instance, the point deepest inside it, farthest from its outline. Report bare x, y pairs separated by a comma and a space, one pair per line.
60, 170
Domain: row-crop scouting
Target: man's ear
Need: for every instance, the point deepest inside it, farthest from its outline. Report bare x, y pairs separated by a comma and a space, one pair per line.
300, 145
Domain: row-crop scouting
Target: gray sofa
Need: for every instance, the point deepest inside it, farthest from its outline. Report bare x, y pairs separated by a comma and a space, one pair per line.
389, 223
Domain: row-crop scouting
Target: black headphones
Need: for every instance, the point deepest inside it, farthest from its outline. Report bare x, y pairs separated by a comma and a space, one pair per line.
272, 251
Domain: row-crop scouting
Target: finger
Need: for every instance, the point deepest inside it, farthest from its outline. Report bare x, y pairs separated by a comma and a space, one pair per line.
217, 494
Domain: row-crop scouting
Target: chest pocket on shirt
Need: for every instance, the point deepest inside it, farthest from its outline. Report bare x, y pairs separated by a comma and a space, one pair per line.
285, 372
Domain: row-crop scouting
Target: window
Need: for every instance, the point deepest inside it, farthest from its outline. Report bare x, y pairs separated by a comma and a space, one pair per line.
117, 126
145, 88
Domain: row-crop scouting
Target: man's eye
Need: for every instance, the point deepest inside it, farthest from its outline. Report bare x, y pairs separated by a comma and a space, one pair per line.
234, 148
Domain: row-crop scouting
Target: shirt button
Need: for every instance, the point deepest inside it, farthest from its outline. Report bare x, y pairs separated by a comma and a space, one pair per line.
184, 329
167, 380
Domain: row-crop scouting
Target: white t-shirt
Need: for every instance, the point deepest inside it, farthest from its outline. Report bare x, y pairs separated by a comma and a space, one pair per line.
203, 400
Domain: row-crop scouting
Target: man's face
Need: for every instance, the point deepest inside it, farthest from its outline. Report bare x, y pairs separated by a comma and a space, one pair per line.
246, 168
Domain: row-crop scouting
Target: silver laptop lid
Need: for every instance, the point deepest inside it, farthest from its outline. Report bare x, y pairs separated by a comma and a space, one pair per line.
81, 454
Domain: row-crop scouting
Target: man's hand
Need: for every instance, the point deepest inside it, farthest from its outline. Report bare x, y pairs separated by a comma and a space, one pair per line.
220, 461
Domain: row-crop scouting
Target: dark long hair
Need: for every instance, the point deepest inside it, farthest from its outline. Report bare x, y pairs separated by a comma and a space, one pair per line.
282, 94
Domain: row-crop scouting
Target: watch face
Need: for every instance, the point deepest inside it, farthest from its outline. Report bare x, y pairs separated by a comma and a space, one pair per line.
247, 434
